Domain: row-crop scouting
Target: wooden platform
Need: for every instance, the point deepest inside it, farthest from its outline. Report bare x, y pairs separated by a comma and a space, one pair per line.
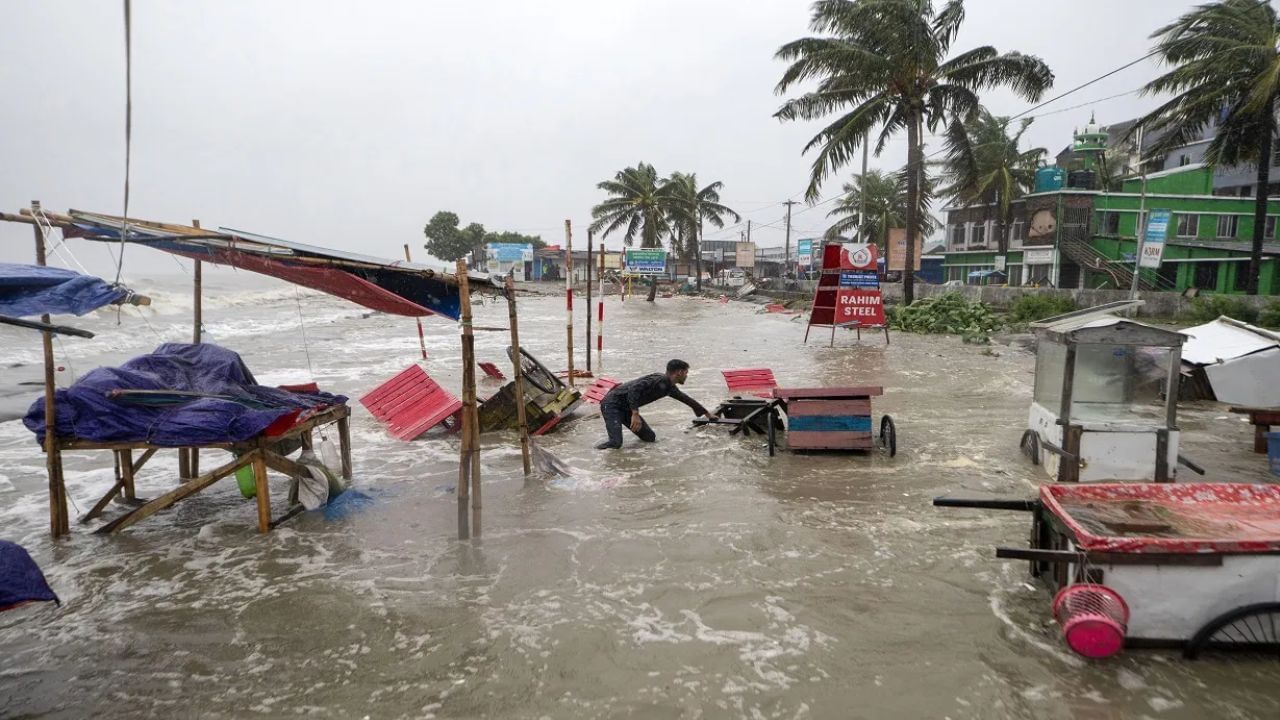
260, 453
1262, 419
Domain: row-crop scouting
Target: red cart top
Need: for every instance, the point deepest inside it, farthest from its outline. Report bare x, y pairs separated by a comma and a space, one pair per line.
1168, 518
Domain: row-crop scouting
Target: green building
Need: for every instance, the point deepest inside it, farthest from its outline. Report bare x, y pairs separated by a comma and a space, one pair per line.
1074, 236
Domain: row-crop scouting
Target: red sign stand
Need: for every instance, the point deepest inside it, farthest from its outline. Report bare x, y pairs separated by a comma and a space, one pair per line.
848, 292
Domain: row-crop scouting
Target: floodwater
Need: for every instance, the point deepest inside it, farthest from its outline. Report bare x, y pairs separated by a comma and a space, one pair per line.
694, 578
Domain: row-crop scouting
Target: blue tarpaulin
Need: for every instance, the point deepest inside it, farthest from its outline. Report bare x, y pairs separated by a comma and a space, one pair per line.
229, 405
27, 290
20, 578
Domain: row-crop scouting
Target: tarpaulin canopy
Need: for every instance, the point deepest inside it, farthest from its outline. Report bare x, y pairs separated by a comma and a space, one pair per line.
27, 290
20, 578
179, 395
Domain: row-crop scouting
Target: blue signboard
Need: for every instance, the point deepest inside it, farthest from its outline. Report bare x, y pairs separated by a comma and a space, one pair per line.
510, 252
1153, 240
645, 261
862, 279
804, 253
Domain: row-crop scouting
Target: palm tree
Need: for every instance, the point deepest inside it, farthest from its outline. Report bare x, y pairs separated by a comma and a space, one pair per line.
884, 65
886, 205
691, 209
638, 203
983, 166
1226, 58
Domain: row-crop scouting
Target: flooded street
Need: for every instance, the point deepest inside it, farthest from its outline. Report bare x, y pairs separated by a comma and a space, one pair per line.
694, 578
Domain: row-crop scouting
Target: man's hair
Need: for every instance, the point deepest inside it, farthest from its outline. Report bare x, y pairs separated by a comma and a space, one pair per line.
676, 366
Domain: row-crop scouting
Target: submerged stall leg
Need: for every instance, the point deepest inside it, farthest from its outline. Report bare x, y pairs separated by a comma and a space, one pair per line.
263, 492
469, 454
184, 464
517, 372
59, 524
344, 445
126, 474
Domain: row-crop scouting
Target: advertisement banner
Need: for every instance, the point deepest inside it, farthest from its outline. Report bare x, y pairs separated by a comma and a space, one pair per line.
1000, 263
646, 261
862, 308
861, 279
746, 255
804, 253
1153, 242
510, 252
1037, 257
858, 256
898, 250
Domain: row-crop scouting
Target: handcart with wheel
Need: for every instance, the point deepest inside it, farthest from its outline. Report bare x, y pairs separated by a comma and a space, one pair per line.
817, 418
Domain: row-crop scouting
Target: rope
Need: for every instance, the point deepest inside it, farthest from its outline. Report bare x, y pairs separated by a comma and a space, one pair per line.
302, 324
66, 357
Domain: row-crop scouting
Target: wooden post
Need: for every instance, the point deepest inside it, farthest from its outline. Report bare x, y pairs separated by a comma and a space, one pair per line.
263, 491
518, 373
59, 524
422, 339
568, 290
590, 267
344, 444
126, 474
189, 459
468, 460
600, 318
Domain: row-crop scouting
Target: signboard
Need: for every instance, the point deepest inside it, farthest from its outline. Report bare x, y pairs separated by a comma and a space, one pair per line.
1153, 240
1000, 263
804, 253
746, 255
858, 256
645, 261
612, 261
862, 279
898, 250
1037, 257
511, 252
859, 307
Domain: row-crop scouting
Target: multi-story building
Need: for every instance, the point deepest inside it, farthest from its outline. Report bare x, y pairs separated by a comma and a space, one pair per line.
1086, 237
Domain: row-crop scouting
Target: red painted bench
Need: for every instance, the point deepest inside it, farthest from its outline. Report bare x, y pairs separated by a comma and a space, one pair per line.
752, 381
411, 403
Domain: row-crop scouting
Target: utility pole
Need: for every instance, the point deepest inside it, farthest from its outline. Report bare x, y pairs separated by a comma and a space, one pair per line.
862, 191
786, 248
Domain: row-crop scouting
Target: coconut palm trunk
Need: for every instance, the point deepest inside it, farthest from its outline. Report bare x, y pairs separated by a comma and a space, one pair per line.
915, 160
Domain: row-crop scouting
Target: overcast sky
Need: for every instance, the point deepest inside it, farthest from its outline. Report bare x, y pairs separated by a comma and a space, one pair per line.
348, 124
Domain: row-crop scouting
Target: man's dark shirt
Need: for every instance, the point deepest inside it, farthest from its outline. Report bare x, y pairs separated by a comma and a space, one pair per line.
634, 394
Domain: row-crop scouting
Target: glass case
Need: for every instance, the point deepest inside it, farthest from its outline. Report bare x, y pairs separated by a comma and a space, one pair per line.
1111, 383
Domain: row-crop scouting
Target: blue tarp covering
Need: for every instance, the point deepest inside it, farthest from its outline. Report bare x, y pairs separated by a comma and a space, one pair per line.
27, 290
242, 410
20, 578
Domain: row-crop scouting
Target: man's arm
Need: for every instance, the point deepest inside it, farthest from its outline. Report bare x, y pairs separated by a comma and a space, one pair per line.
697, 409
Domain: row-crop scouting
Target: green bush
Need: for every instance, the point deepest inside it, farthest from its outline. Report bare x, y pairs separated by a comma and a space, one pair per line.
949, 314
1211, 307
1038, 306
1270, 315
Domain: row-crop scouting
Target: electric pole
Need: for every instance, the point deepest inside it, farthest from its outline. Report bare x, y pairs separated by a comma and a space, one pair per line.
786, 248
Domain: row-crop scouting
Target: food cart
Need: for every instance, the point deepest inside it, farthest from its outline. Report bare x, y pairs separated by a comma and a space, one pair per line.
1105, 401
818, 418
1188, 565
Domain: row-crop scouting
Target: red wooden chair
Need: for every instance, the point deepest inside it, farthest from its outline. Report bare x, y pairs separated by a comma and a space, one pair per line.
598, 389
751, 381
411, 403
492, 370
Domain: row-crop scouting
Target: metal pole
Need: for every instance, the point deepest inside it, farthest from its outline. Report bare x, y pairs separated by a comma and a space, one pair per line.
600, 318
786, 248
590, 267
862, 189
422, 338
568, 291
1142, 224
58, 523
197, 302
518, 373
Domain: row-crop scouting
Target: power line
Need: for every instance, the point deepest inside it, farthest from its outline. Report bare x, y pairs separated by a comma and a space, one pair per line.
1085, 85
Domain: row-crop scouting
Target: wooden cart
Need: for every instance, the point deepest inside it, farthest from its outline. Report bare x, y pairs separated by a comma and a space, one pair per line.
834, 418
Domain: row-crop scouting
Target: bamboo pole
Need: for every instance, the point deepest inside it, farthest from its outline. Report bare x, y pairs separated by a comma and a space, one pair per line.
422, 339
467, 464
518, 373
590, 242
568, 290
59, 524
190, 468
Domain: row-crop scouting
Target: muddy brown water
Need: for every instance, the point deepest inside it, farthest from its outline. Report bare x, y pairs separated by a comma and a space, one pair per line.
694, 578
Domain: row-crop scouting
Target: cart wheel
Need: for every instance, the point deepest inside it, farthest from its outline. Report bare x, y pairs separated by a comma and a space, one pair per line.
535, 373
1031, 446
1251, 628
888, 436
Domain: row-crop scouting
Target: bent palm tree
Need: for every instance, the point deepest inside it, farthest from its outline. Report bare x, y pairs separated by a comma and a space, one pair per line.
884, 65
1226, 58
983, 166
693, 207
639, 205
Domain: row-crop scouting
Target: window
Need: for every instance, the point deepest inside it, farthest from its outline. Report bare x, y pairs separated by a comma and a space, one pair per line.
1275, 157
1188, 225
1270, 231
957, 235
1184, 160
979, 236
1015, 275
1015, 232
1206, 277
1110, 223
1242, 276
1228, 225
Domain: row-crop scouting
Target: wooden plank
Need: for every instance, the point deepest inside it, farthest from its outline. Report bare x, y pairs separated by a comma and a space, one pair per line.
829, 440
828, 392
1106, 558
263, 491
829, 407
182, 491
829, 423
101, 505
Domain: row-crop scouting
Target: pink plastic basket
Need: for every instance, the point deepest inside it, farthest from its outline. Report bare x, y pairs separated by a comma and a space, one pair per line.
1094, 619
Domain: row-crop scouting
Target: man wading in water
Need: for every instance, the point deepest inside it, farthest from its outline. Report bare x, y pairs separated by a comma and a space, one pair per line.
623, 403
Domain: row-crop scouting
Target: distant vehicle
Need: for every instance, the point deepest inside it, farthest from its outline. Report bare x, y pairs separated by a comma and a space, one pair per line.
732, 278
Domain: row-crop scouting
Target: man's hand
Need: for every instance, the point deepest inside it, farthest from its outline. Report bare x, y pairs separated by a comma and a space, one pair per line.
710, 415
637, 422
